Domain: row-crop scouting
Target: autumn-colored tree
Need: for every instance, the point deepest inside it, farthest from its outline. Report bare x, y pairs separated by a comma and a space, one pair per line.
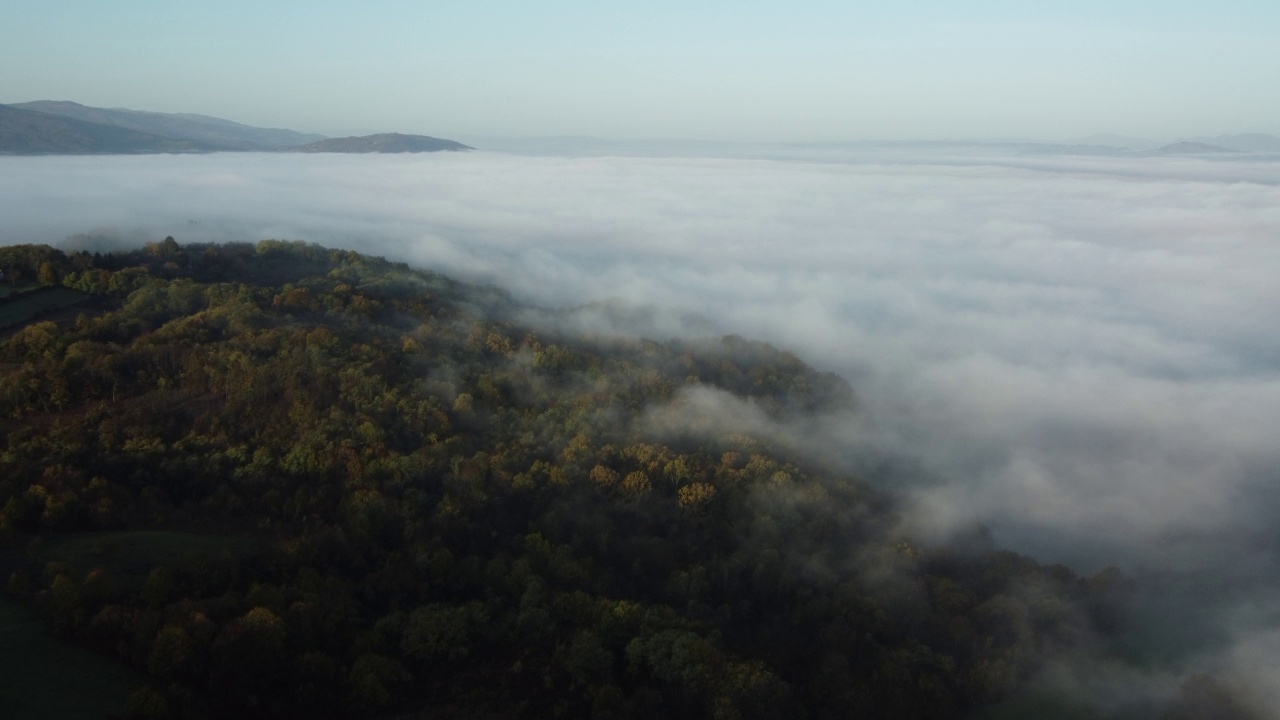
695, 495
48, 274
329, 485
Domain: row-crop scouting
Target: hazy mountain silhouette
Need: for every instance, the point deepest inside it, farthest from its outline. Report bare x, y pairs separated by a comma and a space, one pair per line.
61, 127
1185, 148
215, 132
382, 143
1128, 142
26, 132
1246, 142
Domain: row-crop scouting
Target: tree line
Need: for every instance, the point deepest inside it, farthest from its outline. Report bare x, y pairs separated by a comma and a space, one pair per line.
373, 491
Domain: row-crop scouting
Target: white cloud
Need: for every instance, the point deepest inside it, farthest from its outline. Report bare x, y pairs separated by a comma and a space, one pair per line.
1077, 351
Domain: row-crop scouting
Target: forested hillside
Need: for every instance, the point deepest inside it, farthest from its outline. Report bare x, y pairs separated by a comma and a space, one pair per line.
285, 481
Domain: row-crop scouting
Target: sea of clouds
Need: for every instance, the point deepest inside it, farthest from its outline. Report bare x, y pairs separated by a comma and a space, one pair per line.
1079, 353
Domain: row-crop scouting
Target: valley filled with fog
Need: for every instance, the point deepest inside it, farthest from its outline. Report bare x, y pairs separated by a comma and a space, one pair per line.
1075, 353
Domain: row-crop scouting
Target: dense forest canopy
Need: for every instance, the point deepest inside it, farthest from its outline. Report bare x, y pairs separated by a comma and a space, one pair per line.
288, 481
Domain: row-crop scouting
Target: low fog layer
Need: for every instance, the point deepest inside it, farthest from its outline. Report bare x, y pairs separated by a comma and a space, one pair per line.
1076, 352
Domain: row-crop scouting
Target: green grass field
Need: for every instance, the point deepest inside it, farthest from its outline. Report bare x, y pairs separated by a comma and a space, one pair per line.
44, 679
129, 556
41, 677
30, 305
6, 289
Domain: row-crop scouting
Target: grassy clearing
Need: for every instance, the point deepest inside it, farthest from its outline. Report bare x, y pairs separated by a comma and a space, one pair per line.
129, 556
6, 290
43, 679
29, 306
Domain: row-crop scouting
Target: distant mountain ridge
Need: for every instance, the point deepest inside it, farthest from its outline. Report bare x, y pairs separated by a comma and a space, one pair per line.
48, 127
26, 132
382, 143
213, 132
1127, 142
1242, 143
1185, 147
1245, 142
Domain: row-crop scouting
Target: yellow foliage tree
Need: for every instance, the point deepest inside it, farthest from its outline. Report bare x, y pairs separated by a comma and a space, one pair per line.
695, 495
636, 484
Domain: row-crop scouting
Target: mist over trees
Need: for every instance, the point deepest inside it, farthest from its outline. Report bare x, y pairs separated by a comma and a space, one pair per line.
289, 481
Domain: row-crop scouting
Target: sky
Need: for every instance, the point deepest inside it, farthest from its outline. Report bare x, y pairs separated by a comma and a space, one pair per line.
748, 71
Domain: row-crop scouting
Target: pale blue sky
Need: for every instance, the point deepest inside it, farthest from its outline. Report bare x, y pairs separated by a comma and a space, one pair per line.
743, 71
